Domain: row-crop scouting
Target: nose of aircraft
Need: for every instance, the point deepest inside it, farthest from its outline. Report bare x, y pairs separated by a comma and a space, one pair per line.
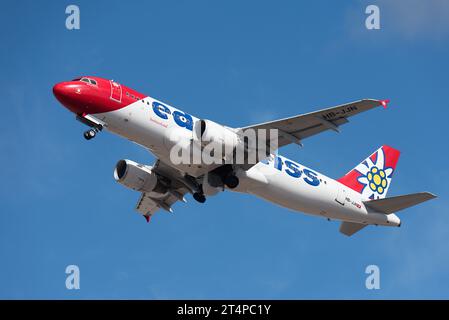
90, 97
69, 95
60, 90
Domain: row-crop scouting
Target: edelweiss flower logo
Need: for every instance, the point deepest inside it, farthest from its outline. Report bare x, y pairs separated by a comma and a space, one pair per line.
375, 177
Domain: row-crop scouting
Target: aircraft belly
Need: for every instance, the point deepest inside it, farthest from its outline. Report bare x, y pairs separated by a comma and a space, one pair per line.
133, 123
288, 192
297, 195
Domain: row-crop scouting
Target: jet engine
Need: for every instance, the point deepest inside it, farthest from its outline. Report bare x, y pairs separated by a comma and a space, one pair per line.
207, 131
138, 177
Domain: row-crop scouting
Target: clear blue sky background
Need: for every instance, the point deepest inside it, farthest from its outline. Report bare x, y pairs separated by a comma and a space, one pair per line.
236, 62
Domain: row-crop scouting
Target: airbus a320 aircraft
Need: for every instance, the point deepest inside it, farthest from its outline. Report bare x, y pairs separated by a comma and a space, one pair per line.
357, 199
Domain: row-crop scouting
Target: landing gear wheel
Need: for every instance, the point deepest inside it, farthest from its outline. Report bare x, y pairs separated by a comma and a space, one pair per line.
199, 197
89, 134
231, 181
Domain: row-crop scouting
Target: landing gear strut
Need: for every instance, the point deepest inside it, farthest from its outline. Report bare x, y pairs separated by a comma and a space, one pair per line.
196, 188
95, 126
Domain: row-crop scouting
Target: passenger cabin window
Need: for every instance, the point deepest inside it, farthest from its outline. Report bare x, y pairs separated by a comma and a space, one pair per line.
132, 96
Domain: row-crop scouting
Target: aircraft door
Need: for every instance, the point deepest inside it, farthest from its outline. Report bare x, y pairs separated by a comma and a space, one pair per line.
116, 91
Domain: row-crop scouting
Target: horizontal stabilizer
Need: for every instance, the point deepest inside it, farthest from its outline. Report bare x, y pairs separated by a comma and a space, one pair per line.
349, 228
393, 204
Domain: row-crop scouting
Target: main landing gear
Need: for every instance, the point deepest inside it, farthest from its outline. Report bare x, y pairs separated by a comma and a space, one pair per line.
227, 175
200, 197
195, 188
231, 181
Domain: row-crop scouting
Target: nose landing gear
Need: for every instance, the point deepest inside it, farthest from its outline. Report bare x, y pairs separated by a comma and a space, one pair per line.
90, 134
94, 124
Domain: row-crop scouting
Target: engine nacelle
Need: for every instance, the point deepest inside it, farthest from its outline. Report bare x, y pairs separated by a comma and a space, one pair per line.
137, 176
206, 131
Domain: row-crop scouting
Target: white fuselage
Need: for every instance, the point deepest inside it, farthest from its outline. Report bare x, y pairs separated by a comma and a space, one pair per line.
276, 179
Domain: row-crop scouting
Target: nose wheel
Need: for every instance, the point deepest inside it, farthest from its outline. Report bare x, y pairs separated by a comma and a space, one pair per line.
94, 124
90, 134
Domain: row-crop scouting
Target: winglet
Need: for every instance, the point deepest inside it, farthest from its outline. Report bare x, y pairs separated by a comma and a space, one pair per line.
147, 217
385, 103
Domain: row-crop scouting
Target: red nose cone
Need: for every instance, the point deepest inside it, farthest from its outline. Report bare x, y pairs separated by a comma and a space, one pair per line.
69, 94
59, 91
92, 95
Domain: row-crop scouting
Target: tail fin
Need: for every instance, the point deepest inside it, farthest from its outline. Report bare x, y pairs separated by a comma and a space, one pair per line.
373, 176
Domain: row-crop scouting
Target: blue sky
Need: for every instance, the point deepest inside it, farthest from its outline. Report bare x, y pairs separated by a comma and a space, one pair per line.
237, 63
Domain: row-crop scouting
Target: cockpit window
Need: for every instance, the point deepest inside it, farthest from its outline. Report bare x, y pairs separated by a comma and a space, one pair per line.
87, 80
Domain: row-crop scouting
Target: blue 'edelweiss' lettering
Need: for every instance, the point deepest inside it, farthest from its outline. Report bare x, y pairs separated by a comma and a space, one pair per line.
294, 170
182, 119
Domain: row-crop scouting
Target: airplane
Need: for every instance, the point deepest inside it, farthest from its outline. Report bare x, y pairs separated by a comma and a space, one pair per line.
357, 199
